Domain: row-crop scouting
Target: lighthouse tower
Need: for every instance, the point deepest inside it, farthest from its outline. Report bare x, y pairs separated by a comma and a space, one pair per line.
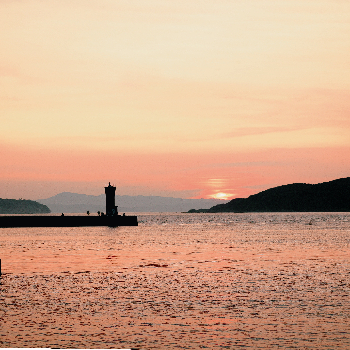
111, 209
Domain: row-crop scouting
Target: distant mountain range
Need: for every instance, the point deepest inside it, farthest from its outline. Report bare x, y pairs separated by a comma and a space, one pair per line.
67, 202
22, 206
333, 196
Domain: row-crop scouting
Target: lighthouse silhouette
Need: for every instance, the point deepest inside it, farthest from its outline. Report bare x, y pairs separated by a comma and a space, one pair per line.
111, 209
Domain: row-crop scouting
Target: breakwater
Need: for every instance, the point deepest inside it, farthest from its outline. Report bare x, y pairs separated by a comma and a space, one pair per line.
66, 221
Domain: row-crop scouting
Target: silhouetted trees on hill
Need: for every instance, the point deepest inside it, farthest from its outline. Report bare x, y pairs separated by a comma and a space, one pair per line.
22, 206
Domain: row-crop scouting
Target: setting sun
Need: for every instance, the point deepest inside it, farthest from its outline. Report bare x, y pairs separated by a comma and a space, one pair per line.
222, 195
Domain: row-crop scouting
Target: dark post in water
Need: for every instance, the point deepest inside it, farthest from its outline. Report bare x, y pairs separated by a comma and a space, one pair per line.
111, 209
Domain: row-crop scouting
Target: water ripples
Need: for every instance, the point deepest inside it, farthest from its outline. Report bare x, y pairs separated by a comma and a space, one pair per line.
180, 281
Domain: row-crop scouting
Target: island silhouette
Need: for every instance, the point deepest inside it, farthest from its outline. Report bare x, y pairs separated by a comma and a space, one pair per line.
22, 206
332, 196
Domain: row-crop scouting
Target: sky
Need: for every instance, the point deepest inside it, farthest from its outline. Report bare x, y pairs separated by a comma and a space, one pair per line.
189, 99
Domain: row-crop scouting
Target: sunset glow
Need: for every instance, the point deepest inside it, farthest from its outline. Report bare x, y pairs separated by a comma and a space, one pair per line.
186, 99
222, 195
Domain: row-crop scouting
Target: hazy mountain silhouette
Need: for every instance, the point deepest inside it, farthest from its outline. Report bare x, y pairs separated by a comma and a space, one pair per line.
22, 206
67, 202
298, 197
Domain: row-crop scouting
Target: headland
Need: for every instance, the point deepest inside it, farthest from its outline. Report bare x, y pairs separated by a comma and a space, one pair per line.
332, 196
22, 206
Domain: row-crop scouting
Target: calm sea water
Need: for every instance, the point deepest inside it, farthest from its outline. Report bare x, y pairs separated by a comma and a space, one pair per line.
180, 281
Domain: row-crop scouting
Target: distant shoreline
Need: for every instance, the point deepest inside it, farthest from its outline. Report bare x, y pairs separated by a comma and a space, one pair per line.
22, 206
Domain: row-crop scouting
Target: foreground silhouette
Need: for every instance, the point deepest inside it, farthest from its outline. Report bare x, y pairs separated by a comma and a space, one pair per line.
112, 218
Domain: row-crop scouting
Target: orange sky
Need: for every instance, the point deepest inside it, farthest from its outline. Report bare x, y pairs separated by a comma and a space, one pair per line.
183, 99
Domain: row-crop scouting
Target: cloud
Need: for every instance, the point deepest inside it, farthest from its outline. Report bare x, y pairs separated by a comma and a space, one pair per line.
248, 131
251, 164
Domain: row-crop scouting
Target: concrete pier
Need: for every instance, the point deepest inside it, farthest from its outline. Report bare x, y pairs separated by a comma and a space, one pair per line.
67, 221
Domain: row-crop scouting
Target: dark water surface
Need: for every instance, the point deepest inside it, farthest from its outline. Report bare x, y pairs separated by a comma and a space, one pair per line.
180, 281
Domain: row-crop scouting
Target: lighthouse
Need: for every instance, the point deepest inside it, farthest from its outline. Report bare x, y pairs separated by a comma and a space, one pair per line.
111, 209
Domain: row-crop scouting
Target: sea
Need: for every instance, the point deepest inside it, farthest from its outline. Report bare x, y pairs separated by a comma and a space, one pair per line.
180, 281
